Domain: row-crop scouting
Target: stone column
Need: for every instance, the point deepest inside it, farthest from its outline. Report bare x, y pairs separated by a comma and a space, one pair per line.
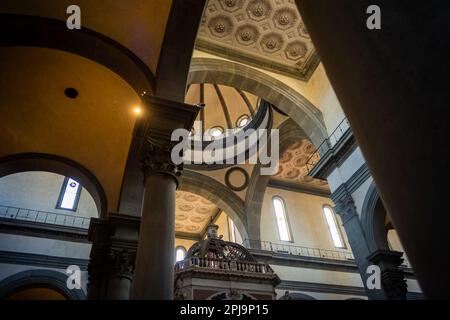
100, 236
346, 209
393, 91
392, 278
121, 274
155, 256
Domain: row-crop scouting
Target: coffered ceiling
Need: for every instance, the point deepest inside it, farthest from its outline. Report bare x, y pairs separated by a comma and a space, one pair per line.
193, 213
292, 166
269, 34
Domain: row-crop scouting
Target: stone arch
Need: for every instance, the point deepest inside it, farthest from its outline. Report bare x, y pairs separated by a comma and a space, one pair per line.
289, 133
39, 277
217, 193
373, 220
297, 107
25, 30
60, 165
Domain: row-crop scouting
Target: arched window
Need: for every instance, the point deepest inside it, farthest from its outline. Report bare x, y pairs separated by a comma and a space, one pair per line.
232, 230
180, 254
281, 217
216, 132
333, 227
69, 195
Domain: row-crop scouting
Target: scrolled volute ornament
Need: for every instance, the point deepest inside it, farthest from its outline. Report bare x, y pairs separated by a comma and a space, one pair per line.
346, 207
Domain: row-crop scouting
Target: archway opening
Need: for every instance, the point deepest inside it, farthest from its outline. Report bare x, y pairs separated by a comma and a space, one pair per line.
46, 198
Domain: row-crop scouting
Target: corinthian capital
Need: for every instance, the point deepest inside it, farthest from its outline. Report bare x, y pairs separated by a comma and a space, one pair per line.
123, 262
156, 158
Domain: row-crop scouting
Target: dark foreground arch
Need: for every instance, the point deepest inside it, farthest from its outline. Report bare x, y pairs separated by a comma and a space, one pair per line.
34, 31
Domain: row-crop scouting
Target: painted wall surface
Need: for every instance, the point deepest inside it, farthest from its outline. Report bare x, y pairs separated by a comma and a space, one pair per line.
224, 228
321, 296
40, 191
307, 221
318, 276
185, 243
342, 173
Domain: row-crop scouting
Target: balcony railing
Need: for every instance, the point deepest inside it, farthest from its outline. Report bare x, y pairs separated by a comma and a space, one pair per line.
221, 264
306, 251
297, 250
328, 144
37, 216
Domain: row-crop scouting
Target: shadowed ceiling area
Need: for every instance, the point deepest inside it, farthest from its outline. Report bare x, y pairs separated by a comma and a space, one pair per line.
91, 125
138, 25
193, 213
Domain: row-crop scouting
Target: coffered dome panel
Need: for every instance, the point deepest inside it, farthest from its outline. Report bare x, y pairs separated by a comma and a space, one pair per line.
293, 169
268, 34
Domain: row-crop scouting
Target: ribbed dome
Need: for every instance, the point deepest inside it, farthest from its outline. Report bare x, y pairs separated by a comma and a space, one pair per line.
225, 107
215, 248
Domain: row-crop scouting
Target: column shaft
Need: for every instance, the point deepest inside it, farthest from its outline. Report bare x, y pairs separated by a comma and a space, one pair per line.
356, 237
155, 256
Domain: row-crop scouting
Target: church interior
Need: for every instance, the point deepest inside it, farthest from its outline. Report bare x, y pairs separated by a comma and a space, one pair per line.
93, 206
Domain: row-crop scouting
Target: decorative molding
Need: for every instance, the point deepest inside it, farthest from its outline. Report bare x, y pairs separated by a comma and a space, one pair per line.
245, 176
295, 187
123, 262
40, 260
156, 158
352, 184
43, 230
288, 260
346, 208
334, 156
188, 236
260, 62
